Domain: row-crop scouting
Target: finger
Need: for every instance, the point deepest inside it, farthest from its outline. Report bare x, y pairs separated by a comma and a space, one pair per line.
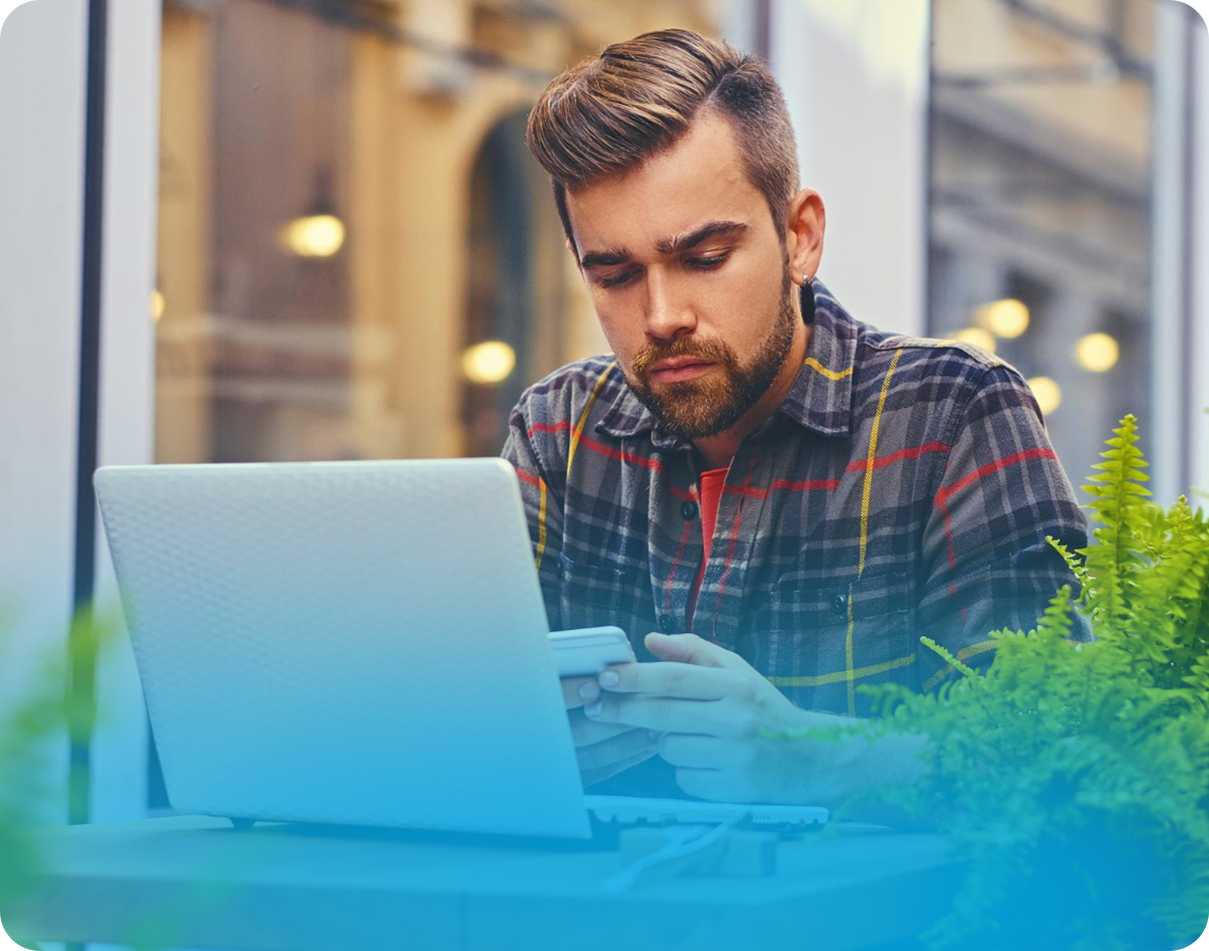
666, 714
585, 732
685, 681
593, 776
579, 690
691, 649
615, 749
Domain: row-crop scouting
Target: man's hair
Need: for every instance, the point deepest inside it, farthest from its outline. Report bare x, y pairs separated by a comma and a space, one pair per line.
610, 114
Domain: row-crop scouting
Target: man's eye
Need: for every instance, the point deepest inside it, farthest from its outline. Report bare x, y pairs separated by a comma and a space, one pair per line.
617, 280
708, 263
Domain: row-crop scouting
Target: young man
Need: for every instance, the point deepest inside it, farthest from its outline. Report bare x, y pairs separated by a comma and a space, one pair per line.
805, 494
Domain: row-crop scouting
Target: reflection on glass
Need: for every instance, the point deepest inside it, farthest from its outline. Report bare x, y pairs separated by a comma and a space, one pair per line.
348, 209
1041, 199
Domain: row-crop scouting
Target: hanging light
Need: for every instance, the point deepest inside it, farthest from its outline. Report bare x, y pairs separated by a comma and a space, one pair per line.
489, 362
1007, 318
315, 236
1047, 393
157, 305
1097, 352
319, 233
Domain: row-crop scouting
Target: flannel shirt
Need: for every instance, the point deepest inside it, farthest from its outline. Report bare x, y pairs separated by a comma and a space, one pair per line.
905, 487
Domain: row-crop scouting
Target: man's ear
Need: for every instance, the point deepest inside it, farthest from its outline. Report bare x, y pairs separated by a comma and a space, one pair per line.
805, 228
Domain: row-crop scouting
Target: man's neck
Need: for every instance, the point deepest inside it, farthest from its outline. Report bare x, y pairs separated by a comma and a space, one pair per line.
719, 450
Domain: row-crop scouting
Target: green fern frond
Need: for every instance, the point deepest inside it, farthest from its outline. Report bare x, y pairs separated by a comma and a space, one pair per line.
1056, 621
948, 658
1073, 561
1118, 498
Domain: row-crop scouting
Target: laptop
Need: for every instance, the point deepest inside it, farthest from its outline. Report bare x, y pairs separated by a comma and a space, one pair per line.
355, 643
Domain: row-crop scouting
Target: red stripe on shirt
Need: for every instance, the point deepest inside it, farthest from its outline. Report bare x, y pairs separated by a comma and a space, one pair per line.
527, 477
913, 452
944, 510
730, 549
620, 455
1024, 456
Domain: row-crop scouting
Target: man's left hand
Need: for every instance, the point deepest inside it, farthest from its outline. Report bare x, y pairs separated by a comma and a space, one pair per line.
715, 713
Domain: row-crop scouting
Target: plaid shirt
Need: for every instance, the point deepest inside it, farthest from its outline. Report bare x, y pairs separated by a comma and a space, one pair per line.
905, 487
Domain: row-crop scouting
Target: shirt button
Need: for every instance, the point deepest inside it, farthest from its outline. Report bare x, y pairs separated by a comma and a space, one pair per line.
666, 622
839, 604
688, 511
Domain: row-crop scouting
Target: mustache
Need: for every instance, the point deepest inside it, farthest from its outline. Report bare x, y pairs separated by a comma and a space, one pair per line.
712, 351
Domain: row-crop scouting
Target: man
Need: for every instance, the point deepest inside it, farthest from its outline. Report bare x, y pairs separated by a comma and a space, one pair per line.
805, 494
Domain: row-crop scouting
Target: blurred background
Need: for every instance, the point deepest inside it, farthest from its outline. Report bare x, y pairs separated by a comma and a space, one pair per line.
264, 230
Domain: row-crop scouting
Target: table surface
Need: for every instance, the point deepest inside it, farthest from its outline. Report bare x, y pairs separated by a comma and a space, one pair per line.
197, 882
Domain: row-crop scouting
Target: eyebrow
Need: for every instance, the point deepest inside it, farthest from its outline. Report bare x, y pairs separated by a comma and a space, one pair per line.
714, 229
677, 244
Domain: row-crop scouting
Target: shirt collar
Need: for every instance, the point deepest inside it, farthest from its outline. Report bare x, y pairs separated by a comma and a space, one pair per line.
821, 397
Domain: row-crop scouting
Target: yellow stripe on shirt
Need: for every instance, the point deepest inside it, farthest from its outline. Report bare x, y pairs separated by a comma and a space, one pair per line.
835, 677
541, 523
973, 650
864, 537
578, 431
814, 364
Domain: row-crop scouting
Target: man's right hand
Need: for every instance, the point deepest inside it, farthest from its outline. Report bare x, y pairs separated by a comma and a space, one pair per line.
603, 749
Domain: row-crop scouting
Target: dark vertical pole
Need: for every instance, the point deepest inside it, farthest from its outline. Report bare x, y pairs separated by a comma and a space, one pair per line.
1188, 276
928, 184
83, 674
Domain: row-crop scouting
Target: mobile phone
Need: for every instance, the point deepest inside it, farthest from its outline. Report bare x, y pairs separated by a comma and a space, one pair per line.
587, 651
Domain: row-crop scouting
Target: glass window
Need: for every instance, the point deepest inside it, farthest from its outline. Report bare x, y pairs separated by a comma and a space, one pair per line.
1041, 202
358, 257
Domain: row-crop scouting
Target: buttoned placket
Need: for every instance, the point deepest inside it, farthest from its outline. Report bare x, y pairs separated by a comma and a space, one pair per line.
675, 559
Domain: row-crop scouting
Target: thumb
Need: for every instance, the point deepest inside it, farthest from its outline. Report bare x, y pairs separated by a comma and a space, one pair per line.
691, 649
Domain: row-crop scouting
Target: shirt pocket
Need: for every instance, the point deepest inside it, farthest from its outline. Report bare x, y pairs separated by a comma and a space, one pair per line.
826, 640
596, 594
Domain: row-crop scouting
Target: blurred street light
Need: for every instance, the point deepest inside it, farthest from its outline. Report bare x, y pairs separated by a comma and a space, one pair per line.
1047, 393
1004, 318
975, 335
1097, 352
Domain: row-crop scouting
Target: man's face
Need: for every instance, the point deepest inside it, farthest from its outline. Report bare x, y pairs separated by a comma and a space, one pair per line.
689, 279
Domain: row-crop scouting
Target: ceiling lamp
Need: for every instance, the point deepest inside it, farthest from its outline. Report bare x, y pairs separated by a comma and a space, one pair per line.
319, 233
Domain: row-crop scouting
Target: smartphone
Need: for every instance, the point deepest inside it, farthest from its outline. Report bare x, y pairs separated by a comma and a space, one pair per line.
587, 651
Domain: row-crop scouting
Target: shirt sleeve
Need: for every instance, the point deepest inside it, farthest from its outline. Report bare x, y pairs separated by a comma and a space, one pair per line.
543, 508
1001, 491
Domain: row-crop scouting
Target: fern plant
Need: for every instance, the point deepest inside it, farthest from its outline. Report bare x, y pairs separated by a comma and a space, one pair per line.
33, 731
1073, 778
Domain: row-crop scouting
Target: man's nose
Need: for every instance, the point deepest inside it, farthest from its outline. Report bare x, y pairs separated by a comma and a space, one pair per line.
668, 313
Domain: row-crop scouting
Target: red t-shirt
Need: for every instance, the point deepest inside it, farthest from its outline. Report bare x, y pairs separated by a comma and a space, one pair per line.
711, 494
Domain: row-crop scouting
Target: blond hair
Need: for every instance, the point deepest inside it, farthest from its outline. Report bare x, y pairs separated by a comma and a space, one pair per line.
638, 98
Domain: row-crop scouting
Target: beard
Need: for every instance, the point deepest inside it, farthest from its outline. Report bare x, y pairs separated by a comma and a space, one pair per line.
713, 403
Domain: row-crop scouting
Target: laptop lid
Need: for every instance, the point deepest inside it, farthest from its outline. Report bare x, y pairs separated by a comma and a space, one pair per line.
345, 642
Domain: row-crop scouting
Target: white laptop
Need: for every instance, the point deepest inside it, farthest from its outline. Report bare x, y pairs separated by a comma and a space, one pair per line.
354, 643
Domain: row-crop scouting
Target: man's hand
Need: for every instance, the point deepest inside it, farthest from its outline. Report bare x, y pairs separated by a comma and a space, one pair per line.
603, 749
715, 714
